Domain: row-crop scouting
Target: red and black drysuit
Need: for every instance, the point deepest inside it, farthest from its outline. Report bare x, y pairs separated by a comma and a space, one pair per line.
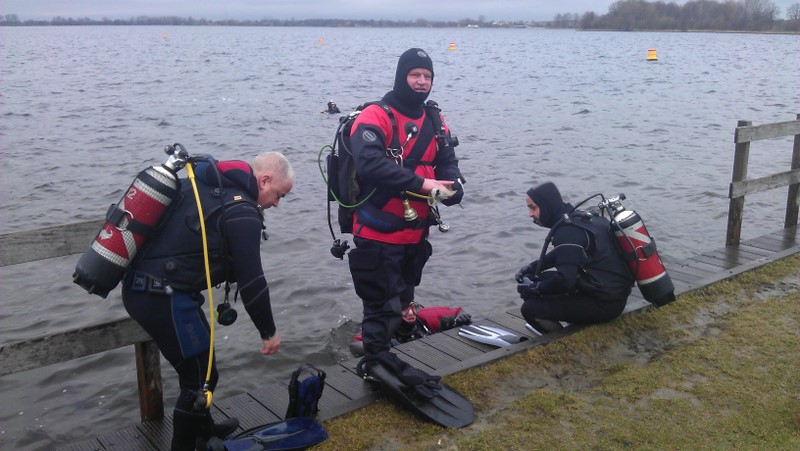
387, 265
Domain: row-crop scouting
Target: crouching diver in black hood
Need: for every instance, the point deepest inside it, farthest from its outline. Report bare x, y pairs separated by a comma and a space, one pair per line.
583, 279
161, 290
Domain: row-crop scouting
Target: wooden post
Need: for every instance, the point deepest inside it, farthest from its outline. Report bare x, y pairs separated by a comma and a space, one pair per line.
793, 199
740, 158
148, 375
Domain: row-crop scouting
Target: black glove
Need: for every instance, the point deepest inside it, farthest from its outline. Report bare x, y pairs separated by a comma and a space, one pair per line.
528, 288
463, 318
526, 270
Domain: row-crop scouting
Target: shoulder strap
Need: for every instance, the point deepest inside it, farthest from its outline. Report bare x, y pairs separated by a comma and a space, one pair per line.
395, 143
420, 146
442, 140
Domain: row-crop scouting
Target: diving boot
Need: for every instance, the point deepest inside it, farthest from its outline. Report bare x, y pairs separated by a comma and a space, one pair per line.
222, 429
544, 326
186, 428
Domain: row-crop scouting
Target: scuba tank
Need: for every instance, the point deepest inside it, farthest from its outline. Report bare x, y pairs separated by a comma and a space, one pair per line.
129, 225
639, 250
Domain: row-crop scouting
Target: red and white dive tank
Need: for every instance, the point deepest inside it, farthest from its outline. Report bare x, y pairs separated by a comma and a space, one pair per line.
639, 250
129, 224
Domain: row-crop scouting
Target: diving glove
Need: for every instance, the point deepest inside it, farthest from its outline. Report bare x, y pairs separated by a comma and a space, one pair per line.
528, 288
526, 270
441, 194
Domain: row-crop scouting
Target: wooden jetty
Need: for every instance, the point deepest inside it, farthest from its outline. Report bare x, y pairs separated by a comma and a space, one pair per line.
442, 354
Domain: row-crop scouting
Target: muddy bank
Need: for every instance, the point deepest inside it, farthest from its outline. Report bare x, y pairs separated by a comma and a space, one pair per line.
716, 368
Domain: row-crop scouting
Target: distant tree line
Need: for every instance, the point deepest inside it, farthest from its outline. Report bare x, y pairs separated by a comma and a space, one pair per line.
741, 15
13, 20
626, 15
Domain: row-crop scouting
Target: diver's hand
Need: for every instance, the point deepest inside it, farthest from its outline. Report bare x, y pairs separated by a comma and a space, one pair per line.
271, 345
528, 288
526, 270
463, 318
429, 184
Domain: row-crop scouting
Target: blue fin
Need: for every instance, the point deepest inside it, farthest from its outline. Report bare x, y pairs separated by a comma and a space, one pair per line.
294, 433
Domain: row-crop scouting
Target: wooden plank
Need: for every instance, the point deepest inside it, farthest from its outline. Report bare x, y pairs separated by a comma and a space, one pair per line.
697, 272
766, 183
344, 380
754, 250
741, 157
159, 431
793, 195
248, 410
735, 255
50, 242
426, 354
749, 133
274, 397
456, 348
769, 243
676, 275
126, 439
148, 377
511, 323
92, 444
69, 345
691, 264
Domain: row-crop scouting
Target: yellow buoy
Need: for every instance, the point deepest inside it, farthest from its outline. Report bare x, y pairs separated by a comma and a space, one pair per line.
452, 46
651, 55
320, 41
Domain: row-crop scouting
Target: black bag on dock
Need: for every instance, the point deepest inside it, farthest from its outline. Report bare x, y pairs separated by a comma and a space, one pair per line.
304, 394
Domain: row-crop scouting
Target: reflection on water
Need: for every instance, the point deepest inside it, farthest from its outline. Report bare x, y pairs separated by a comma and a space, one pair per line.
86, 108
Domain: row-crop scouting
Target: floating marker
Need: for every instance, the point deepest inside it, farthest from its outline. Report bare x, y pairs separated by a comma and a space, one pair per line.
651, 55
320, 41
452, 46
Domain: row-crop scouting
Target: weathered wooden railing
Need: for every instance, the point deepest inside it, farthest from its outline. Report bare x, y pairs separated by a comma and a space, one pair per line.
741, 185
34, 245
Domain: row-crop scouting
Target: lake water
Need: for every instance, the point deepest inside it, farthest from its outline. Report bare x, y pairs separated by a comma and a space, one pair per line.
86, 108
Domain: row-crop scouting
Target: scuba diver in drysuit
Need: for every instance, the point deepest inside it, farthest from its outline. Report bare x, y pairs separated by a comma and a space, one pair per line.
161, 290
390, 229
584, 279
419, 322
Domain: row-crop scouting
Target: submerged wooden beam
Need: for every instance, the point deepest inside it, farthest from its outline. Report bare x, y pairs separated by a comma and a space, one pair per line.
50, 242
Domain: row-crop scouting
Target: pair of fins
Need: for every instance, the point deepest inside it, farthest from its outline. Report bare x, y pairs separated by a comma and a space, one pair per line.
447, 408
291, 434
489, 335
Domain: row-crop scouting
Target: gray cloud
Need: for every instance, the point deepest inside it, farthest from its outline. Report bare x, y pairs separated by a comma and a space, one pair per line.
304, 9
525, 10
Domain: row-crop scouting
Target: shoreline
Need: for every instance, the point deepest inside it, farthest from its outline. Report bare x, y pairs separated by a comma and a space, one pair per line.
642, 380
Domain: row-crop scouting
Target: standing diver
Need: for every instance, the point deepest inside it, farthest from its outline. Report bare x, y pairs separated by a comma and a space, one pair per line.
390, 229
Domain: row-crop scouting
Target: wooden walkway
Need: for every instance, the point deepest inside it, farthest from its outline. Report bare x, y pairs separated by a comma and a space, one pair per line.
446, 353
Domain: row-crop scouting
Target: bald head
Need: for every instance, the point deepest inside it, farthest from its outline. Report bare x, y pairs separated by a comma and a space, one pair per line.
275, 178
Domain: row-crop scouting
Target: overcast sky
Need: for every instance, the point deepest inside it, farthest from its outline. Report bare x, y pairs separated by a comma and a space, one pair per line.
525, 10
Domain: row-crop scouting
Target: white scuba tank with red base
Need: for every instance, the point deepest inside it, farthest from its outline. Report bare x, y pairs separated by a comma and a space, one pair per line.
639, 250
128, 225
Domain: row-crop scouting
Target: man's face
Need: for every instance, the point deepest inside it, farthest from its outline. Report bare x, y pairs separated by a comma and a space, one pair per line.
420, 80
410, 313
272, 190
533, 210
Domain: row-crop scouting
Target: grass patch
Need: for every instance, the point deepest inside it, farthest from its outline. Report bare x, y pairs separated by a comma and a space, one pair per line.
718, 368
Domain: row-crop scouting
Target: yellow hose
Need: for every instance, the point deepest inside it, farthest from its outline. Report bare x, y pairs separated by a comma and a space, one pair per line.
207, 392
